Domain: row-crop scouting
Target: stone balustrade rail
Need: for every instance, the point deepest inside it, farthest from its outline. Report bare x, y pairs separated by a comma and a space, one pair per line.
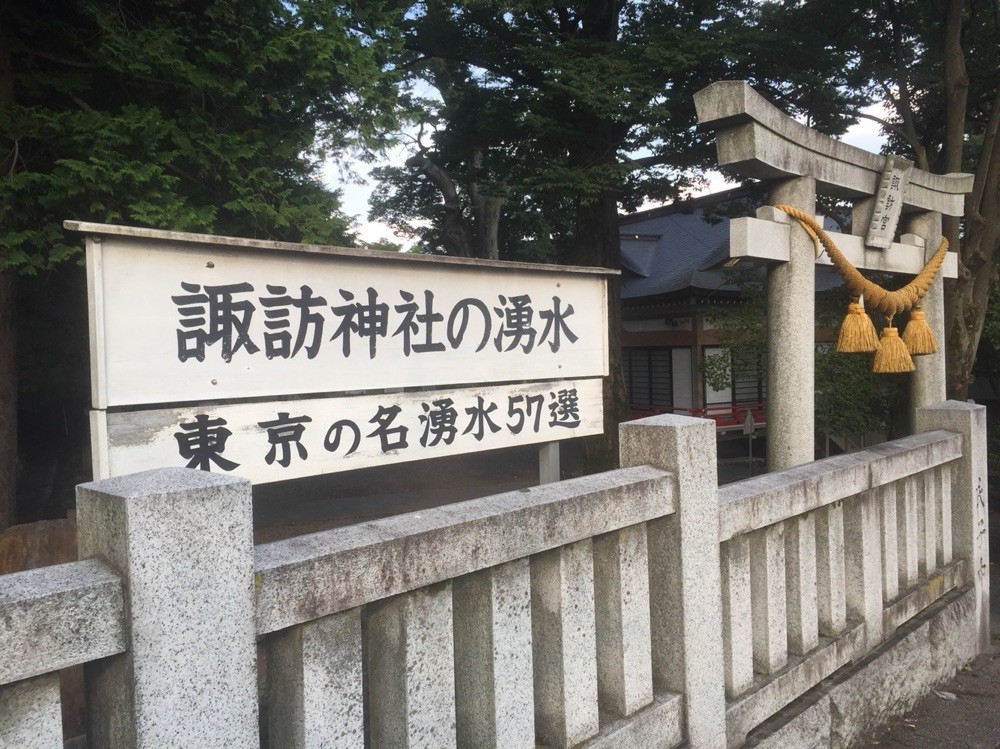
641, 607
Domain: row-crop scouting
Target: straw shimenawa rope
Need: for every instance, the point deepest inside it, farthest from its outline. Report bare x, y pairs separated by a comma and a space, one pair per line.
888, 302
892, 352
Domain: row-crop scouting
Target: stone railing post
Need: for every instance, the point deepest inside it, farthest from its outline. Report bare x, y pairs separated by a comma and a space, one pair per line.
182, 540
30, 715
685, 584
969, 511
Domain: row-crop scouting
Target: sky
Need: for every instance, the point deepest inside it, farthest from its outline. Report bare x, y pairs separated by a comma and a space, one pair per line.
864, 135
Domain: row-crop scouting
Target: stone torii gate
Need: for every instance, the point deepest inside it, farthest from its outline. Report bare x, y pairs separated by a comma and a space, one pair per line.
755, 139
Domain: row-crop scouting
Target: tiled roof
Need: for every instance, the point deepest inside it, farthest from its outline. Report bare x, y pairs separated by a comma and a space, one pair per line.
677, 247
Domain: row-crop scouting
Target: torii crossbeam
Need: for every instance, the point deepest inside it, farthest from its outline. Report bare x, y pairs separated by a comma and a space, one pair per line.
755, 139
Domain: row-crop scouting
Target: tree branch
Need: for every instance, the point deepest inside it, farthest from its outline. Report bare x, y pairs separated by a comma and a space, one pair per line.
60, 60
988, 169
82, 104
903, 104
439, 177
647, 161
890, 127
956, 81
14, 156
87, 65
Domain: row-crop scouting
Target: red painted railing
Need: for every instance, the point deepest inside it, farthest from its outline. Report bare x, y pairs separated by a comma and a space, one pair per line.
726, 415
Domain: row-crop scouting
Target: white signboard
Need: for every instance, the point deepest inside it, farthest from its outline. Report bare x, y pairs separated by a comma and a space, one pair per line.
276, 440
175, 322
269, 360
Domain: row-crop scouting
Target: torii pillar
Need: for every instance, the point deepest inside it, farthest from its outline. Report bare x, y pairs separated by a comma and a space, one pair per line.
755, 139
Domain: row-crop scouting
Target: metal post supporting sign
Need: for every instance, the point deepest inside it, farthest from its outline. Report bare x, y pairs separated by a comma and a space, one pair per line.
749, 429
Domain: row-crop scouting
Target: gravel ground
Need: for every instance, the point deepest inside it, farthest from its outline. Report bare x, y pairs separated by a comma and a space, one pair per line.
962, 714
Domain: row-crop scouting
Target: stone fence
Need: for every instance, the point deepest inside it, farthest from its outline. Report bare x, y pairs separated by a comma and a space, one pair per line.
641, 607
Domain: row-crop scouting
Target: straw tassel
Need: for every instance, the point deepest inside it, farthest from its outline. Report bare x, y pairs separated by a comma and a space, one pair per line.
857, 332
918, 336
892, 355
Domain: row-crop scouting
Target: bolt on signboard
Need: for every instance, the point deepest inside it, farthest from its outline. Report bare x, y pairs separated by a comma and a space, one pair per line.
275, 360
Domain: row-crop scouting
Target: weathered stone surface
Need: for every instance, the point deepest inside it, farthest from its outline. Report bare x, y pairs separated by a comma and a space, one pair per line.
805, 728
800, 577
970, 516
737, 616
411, 671
928, 385
35, 545
762, 141
890, 553
310, 576
846, 708
907, 547
929, 517
621, 598
944, 542
493, 662
658, 726
921, 596
761, 501
892, 461
29, 714
183, 541
684, 570
314, 685
801, 675
892, 682
564, 647
59, 616
864, 565
767, 237
791, 322
830, 569
767, 597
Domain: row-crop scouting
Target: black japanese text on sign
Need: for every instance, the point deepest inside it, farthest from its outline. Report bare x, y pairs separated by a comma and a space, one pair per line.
270, 441
181, 324
275, 361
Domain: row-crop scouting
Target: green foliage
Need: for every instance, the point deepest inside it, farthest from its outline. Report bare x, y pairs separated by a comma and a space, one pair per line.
740, 327
384, 245
195, 115
529, 229
850, 399
991, 324
900, 47
552, 105
208, 116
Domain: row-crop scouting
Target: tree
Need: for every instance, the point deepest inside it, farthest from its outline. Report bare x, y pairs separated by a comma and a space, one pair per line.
582, 107
204, 115
935, 64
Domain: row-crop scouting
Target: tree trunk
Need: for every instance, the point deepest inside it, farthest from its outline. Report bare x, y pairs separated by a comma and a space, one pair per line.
8, 400
456, 233
598, 244
965, 305
8, 329
488, 211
